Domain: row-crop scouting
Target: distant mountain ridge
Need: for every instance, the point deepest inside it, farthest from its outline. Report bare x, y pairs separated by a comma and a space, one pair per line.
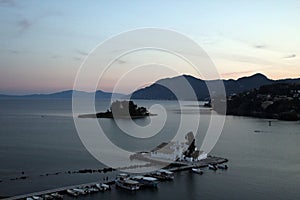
158, 91
68, 94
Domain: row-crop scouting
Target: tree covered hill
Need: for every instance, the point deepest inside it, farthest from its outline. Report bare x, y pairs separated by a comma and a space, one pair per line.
275, 101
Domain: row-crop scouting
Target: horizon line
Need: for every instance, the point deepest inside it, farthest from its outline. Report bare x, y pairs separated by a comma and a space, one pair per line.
62, 90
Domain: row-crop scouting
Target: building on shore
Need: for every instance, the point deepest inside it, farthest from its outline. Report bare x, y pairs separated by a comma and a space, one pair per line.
179, 151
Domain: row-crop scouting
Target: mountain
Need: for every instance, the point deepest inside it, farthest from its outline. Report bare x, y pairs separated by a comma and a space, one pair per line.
182, 85
162, 89
67, 94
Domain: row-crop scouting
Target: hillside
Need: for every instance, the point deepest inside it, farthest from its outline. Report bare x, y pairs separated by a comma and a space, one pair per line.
275, 101
159, 90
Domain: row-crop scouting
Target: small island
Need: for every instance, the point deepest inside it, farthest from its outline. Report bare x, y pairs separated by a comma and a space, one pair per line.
121, 109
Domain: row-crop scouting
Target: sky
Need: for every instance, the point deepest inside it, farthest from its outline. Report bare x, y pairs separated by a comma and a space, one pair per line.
44, 43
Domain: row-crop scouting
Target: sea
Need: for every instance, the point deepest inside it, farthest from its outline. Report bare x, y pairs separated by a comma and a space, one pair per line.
39, 141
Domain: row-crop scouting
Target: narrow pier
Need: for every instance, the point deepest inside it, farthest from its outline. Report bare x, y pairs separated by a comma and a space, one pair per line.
174, 167
199, 164
59, 190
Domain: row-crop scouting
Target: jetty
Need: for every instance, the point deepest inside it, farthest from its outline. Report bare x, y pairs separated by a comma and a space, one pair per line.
55, 190
173, 167
171, 157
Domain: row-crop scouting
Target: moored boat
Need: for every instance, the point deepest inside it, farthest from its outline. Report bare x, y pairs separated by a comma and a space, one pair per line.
222, 166
146, 181
37, 198
163, 175
79, 191
48, 197
197, 170
90, 190
105, 186
72, 192
57, 196
212, 167
123, 181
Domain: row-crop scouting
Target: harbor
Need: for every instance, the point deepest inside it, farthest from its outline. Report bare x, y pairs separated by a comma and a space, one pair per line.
129, 182
168, 158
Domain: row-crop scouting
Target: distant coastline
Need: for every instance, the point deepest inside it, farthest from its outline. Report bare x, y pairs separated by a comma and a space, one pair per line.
157, 91
276, 101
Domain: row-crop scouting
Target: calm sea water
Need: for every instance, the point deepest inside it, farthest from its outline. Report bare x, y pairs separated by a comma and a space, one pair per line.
38, 137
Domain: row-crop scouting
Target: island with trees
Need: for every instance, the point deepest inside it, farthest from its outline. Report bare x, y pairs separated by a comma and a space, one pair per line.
121, 109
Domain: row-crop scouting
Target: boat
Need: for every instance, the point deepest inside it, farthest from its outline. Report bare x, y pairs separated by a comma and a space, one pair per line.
79, 191
212, 167
99, 187
146, 181
105, 186
90, 190
37, 198
128, 184
222, 166
72, 192
48, 197
29, 198
197, 170
123, 181
163, 175
57, 196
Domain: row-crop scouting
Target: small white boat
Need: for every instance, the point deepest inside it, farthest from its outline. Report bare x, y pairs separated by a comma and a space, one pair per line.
128, 184
99, 187
197, 170
123, 181
146, 181
48, 197
163, 175
57, 196
72, 193
105, 186
90, 190
29, 198
37, 198
212, 167
79, 191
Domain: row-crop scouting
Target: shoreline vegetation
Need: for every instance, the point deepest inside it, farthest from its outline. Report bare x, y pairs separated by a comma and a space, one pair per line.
276, 101
121, 109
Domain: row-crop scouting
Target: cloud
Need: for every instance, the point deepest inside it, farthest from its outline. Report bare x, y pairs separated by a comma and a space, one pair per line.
229, 74
24, 24
11, 51
260, 46
8, 3
54, 56
76, 58
121, 61
247, 59
290, 56
80, 52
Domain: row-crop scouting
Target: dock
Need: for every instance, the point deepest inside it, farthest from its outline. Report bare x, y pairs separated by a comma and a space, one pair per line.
174, 167
200, 164
59, 190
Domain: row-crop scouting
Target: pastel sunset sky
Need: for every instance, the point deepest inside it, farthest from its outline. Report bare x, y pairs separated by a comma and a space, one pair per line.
43, 43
